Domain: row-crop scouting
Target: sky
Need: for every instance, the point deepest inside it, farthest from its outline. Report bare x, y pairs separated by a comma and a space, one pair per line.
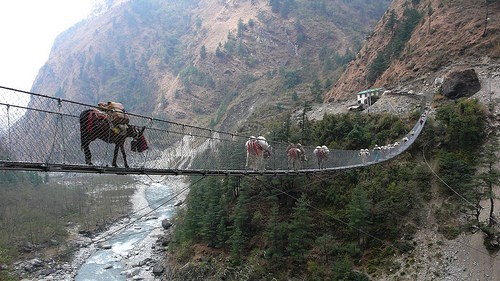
28, 29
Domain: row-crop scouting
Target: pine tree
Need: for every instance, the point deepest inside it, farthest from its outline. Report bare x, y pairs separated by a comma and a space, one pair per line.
237, 245
241, 225
203, 52
189, 229
391, 22
342, 269
218, 52
317, 91
377, 67
358, 213
465, 122
430, 11
299, 238
241, 28
490, 175
209, 220
275, 234
275, 5
224, 201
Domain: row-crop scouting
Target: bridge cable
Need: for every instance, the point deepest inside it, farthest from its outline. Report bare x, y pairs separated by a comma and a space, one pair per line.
108, 235
58, 119
157, 201
435, 174
8, 130
448, 186
155, 181
62, 132
211, 137
463, 198
147, 150
142, 216
360, 230
280, 192
325, 213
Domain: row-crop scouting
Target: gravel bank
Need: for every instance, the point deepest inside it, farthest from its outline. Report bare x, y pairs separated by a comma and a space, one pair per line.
140, 262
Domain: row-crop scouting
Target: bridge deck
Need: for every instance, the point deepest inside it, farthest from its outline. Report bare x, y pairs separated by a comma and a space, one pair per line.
42, 167
42, 133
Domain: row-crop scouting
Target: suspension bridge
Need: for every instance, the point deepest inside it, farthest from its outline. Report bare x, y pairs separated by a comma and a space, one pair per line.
42, 133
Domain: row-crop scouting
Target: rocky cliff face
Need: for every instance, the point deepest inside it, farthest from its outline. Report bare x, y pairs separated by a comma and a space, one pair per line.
418, 41
207, 62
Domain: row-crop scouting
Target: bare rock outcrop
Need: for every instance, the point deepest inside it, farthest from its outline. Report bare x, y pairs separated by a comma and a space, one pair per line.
462, 83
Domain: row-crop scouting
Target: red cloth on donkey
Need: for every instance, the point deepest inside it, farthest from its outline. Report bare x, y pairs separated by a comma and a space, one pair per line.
139, 145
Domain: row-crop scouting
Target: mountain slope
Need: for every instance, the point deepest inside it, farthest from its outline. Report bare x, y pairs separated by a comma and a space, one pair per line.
204, 62
236, 64
442, 34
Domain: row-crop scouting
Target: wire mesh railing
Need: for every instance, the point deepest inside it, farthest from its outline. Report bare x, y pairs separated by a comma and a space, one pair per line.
38, 131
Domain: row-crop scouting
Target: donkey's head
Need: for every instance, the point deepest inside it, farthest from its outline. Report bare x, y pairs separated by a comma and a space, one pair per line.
135, 131
139, 143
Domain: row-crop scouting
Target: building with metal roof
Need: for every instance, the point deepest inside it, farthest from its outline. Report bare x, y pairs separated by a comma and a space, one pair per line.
364, 97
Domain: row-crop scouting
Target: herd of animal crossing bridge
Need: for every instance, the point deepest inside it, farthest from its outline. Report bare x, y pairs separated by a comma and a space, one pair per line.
42, 133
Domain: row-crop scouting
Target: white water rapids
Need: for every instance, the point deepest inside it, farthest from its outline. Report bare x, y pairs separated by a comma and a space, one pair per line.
128, 254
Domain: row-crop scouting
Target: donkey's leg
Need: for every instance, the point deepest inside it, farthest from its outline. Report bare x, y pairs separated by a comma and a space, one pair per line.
124, 155
115, 155
88, 155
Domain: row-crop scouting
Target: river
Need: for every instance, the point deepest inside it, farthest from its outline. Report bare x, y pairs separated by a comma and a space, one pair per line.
128, 253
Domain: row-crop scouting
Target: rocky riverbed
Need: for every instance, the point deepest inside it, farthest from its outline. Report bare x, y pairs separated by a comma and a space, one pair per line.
143, 262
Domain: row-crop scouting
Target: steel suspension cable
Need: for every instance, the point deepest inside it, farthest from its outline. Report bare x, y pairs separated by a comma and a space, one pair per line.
58, 120
8, 132
147, 151
440, 179
328, 215
108, 235
449, 187
360, 230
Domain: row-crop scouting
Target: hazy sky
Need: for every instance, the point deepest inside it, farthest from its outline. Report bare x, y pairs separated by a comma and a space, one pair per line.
28, 29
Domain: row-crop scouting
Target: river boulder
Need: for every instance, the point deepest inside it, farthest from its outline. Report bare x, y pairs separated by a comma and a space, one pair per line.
158, 269
166, 224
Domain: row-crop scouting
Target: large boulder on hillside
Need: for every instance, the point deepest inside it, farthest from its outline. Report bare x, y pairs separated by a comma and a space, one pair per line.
462, 83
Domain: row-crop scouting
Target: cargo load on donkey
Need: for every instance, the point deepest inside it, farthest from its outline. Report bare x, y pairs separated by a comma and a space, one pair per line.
120, 121
109, 123
116, 115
